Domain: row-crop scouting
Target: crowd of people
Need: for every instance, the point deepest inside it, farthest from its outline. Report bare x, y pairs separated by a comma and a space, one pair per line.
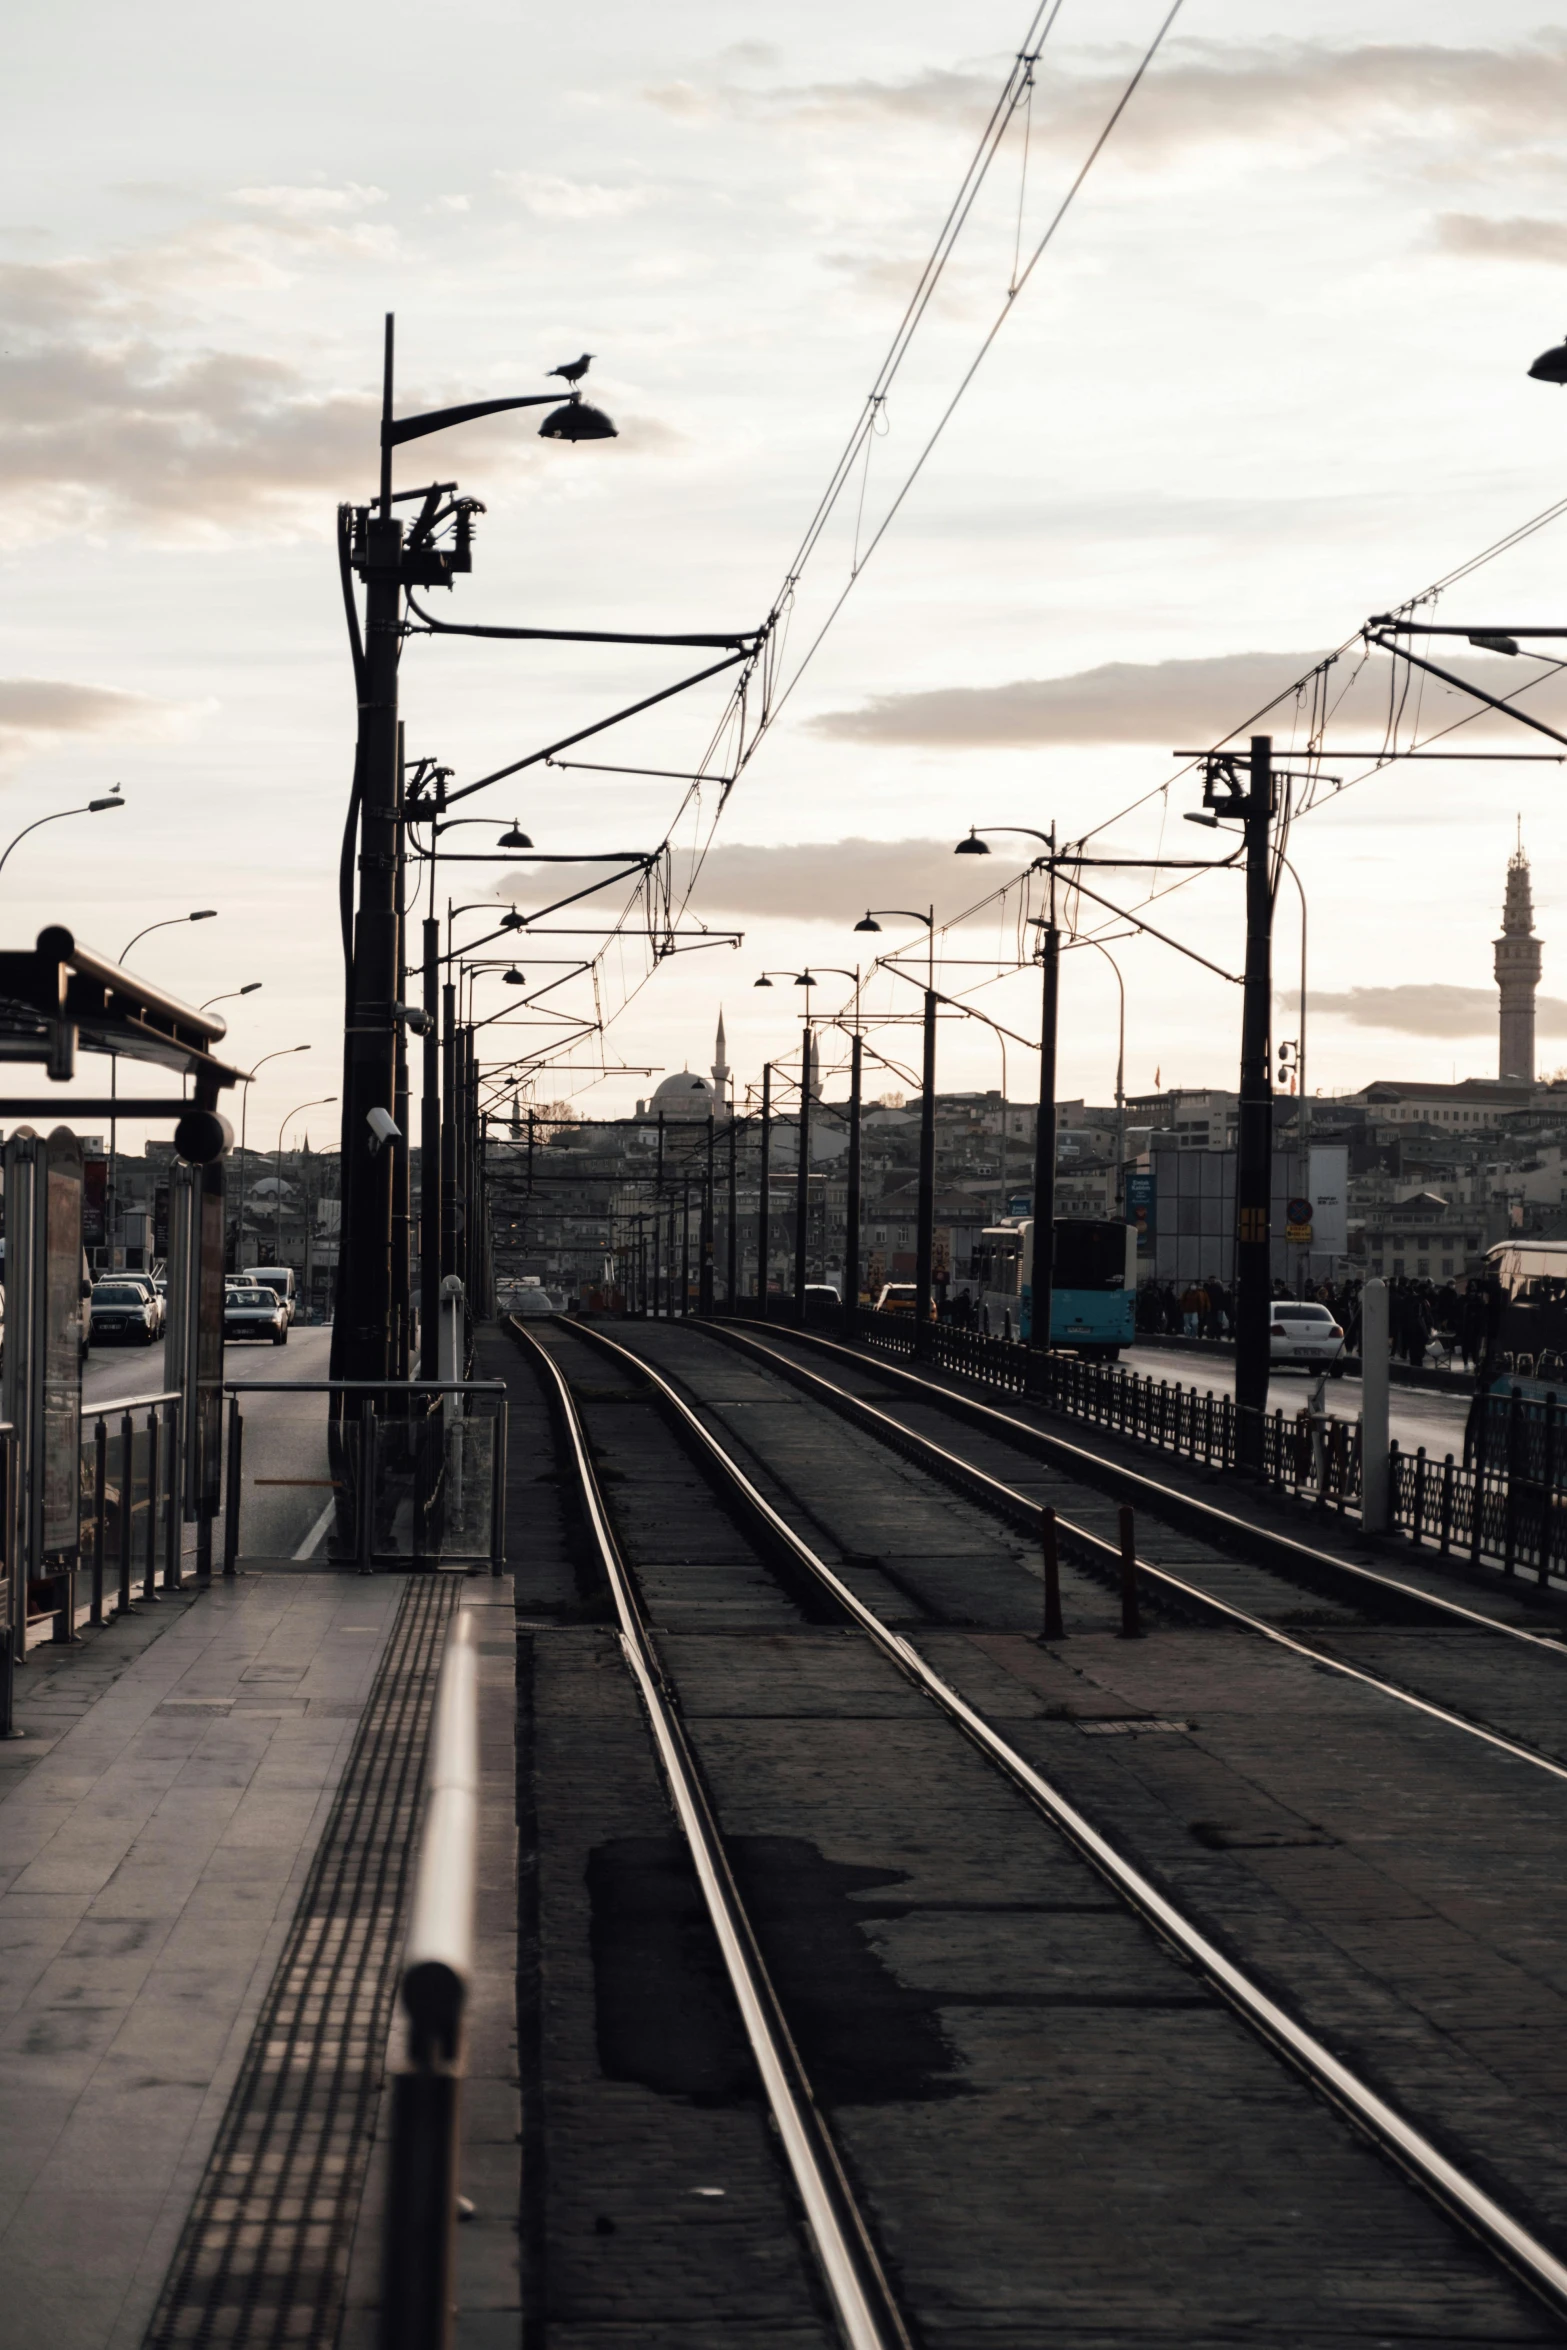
1422, 1315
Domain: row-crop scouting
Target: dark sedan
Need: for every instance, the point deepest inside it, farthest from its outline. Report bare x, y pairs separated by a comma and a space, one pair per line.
254, 1312
121, 1313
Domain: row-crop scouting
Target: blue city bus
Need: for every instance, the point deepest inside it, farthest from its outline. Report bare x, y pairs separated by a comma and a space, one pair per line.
1093, 1302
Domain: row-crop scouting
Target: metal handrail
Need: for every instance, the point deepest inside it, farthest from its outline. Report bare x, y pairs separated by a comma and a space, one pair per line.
362, 1386
417, 2298
128, 1403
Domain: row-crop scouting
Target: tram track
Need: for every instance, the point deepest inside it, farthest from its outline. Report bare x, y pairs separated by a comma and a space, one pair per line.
1022, 1511
849, 2249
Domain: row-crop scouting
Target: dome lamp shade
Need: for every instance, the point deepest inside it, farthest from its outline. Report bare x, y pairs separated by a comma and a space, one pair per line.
515, 978
513, 920
972, 847
870, 923
516, 838
1551, 366
578, 420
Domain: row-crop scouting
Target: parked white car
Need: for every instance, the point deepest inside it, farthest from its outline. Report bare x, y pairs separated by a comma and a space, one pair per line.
275, 1277
1305, 1337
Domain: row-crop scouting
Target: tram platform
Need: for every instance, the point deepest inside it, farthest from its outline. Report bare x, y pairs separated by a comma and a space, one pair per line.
193, 1824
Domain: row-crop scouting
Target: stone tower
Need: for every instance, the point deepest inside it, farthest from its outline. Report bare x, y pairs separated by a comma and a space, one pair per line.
720, 1063
1517, 973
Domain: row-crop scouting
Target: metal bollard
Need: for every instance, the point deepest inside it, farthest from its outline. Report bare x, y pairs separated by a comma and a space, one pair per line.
1054, 1629
174, 1524
1131, 1623
421, 2197
364, 1500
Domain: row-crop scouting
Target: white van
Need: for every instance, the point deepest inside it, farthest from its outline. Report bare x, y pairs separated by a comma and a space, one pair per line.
278, 1277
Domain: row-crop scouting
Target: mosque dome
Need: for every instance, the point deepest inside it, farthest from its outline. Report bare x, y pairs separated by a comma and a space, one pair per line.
684, 1095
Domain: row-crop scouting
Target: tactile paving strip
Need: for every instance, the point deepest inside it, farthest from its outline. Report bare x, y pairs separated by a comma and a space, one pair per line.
264, 2256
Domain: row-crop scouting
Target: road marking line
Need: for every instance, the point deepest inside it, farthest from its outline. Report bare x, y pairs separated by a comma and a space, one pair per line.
308, 1547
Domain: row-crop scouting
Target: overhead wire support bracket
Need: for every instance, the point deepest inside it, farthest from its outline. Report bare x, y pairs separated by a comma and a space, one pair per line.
599, 726
737, 641
1386, 644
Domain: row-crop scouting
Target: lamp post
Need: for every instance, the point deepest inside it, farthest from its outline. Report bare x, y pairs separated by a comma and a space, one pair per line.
244, 1116
1042, 1281
1120, 1067
171, 922
764, 1201
229, 995
93, 808
851, 1216
925, 1236
319, 1103
390, 562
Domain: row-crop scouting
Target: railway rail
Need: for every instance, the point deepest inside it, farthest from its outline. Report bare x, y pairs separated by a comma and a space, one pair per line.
1022, 1510
865, 2303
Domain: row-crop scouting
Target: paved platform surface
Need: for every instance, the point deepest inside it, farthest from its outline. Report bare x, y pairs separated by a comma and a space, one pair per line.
156, 1824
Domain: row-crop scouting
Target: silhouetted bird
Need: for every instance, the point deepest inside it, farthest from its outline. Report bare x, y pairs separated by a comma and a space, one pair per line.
577, 370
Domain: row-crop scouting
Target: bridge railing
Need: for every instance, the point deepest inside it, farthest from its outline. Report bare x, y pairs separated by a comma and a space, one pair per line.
130, 1501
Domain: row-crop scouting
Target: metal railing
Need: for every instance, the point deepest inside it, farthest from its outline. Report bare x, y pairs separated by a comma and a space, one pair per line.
1507, 1507
417, 2294
416, 1470
130, 1507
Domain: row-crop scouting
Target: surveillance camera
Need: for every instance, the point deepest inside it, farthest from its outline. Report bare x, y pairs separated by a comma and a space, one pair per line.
412, 1017
383, 1128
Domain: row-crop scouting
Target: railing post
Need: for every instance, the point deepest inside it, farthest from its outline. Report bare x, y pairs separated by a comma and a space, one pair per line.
100, 1515
1054, 1628
498, 1503
234, 1453
1417, 1514
15, 1627
149, 1589
364, 1514
127, 1509
1510, 1520
1447, 1505
173, 1572
1131, 1624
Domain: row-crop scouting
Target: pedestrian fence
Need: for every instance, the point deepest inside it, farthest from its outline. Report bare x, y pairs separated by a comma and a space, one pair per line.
1506, 1505
415, 1472
131, 1517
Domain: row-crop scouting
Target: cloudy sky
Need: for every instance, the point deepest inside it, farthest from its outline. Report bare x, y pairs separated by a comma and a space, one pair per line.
1268, 379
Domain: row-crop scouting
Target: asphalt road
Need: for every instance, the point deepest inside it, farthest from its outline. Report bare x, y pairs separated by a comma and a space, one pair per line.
1416, 1415
285, 1467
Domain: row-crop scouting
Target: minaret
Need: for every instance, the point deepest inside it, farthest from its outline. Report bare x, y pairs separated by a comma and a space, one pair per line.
720, 1064
1517, 972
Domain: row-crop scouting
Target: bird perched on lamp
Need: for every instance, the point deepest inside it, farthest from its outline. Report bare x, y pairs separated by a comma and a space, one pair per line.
577, 369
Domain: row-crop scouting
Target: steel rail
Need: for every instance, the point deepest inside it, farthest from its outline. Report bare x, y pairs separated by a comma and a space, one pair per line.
1008, 1502
852, 2272
1469, 2203
1077, 1460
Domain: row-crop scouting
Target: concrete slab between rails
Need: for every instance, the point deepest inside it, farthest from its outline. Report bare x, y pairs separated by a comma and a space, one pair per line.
489, 2290
157, 1823
1189, 1491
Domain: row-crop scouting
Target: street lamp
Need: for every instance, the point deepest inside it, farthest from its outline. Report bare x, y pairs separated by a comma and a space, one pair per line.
319, 1103
93, 808
281, 1054
205, 914
229, 995
202, 914
1042, 1282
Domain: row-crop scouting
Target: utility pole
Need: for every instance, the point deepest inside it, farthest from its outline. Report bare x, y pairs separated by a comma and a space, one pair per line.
1042, 1288
764, 1191
430, 1183
705, 1269
685, 1245
732, 1230
802, 1179
925, 1236
1254, 1155
851, 1216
